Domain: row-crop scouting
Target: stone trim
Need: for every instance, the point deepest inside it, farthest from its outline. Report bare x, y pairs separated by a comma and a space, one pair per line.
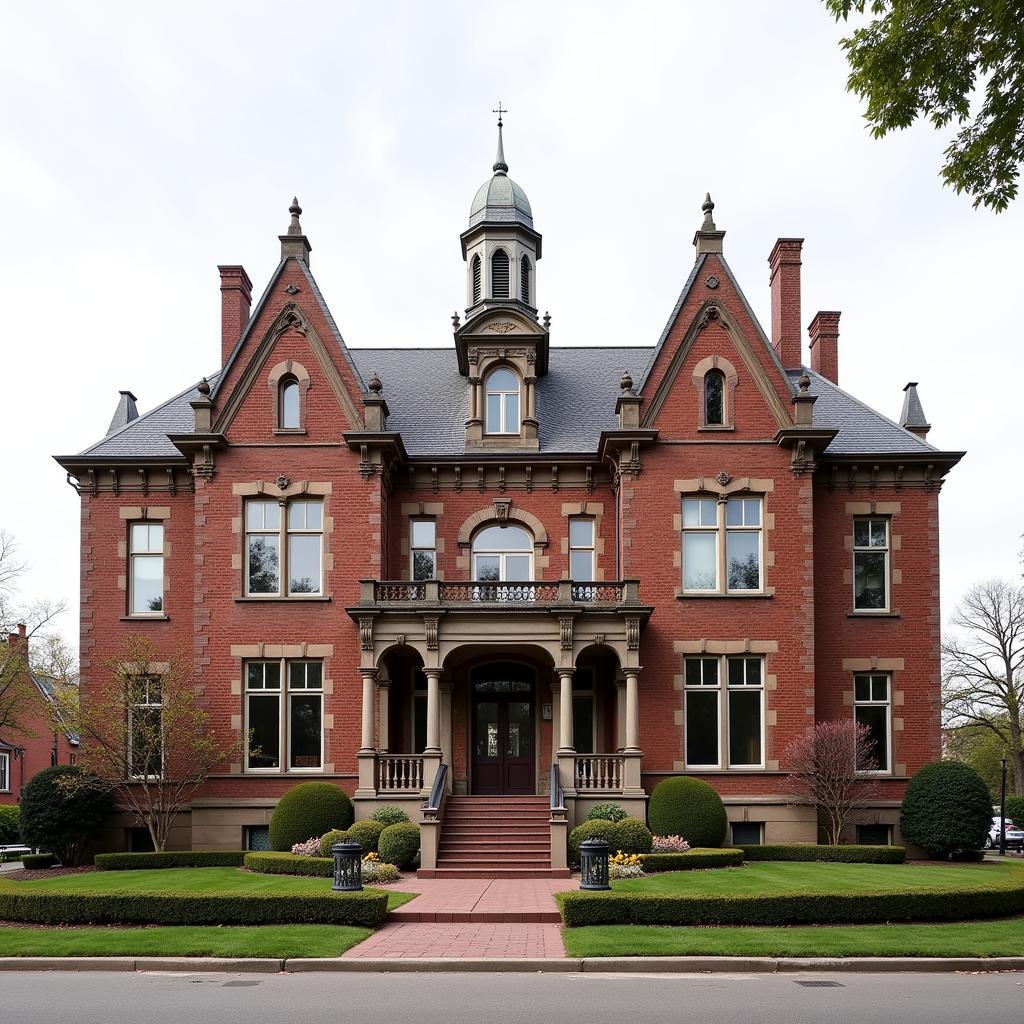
873, 664
746, 646
700, 371
512, 514
301, 375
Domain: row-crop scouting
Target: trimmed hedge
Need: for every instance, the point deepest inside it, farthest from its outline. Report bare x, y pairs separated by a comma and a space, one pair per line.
399, 844
170, 859
38, 861
687, 807
307, 811
826, 854
946, 809
693, 859
289, 864
367, 908
579, 909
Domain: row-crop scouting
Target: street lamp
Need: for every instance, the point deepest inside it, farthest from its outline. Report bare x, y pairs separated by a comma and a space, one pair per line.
1002, 809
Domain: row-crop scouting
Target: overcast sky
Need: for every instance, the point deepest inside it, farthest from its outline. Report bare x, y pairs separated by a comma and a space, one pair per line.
143, 144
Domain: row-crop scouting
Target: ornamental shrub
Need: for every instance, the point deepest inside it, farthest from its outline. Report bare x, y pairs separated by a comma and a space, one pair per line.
669, 844
308, 809
389, 814
683, 806
334, 836
946, 808
1014, 810
38, 861
606, 812
62, 809
630, 835
310, 848
367, 834
9, 834
599, 828
399, 844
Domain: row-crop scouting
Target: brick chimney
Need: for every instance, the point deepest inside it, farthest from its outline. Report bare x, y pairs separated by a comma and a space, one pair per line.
784, 268
824, 332
235, 300
18, 641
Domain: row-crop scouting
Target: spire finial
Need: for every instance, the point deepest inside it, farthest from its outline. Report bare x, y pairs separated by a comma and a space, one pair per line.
295, 228
203, 387
375, 384
500, 167
708, 207
626, 383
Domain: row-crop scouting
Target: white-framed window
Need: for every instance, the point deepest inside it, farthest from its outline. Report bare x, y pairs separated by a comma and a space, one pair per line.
743, 543
5, 772
581, 549
502, 402
298, 533
503, 554
700, 544
872, 708
423, 549
284, 715
500, 277
871, 564
723, 725
288, 404
145, 728
146, 572
722, 545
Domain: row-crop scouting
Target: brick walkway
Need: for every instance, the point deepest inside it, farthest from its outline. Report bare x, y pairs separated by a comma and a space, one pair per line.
407, 941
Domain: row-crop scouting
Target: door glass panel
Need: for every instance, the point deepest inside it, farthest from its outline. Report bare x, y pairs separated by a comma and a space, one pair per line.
519, 737
486, 729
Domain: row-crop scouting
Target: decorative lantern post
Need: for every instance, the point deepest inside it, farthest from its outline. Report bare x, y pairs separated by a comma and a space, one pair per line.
348, 867
594, 864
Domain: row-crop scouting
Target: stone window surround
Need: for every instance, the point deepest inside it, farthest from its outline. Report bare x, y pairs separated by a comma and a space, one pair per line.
891, 667
880, 510
420, 510
589, 510
711, 486
502, 510
240, 654
708, 647
292, 489
700, 371
289, 368
141, 514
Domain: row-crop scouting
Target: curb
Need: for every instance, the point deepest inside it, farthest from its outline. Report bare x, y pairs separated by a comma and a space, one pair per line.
523, 965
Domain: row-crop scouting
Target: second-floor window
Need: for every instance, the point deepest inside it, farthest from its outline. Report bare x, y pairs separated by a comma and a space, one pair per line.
722, 545
298, 534
284, 715
146, 594
503, 554
423, 549
871, 565
581, 549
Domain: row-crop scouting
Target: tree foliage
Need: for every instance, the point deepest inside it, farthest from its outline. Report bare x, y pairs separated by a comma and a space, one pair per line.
829, 768
950, 62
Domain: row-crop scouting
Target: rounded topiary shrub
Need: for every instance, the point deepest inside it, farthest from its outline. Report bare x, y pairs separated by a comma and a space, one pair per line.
62, 809
307, 811
689, 808
336, 835
631, 835
9, 833
367, 834
599, 828
389, 814
399, 844
946, 809
606, 812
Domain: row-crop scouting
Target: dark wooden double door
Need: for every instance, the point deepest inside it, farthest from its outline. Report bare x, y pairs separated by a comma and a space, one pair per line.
504, 730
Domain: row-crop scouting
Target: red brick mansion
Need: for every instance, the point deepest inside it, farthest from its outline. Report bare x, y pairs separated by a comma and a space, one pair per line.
504, 563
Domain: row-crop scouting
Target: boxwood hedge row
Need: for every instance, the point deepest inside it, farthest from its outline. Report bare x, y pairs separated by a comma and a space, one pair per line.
829, 854
994, 900
171, 859
697, 858
367, 908
289, 864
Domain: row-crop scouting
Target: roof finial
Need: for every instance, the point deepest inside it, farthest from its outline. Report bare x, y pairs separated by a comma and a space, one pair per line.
203, 387
375, 384
295, 228
500, 167
626, 383
708, 207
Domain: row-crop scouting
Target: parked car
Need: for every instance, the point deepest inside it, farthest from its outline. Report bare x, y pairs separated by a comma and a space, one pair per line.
1014, 836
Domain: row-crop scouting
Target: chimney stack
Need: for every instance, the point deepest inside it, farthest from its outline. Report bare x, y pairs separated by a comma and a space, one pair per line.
784, 276
235, 300
824, 332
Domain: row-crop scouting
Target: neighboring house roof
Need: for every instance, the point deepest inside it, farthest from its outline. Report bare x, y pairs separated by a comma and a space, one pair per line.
45, 684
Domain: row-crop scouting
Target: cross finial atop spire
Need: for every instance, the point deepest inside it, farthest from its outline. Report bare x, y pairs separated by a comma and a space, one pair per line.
500, 167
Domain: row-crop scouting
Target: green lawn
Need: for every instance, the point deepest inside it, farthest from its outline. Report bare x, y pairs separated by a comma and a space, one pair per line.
288, 940
178, 880
1004, 937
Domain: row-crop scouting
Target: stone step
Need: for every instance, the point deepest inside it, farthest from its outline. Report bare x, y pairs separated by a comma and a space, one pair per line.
492, 872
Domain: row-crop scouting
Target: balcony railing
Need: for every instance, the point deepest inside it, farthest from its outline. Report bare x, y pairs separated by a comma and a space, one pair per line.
598, 773
483, 592
399, 773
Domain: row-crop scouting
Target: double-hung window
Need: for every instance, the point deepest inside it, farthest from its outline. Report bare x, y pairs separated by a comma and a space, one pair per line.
146, 592
145, 728
423, 549
5, 772
700, 544
284, 715
871, 565
871, 709
502, 402
743, 543
724, 725
722, 545
581, 549
298, 533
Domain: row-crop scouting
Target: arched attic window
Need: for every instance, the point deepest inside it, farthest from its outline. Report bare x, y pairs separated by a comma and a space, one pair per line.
524, 279
714, 398
288, 403
502, 402
475, 274
499, 275
503, 554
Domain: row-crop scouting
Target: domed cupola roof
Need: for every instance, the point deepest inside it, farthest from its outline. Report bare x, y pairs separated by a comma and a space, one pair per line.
500, 198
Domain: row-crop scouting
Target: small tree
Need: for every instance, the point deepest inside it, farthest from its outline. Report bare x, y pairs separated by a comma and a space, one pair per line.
62, 810
829, 770
145, 735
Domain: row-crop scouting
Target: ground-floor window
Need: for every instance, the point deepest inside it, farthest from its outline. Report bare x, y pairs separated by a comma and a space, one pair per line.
257, 837
871, 704
5, 773
747, 833
874, 835
724, 712
139, 840
284, 715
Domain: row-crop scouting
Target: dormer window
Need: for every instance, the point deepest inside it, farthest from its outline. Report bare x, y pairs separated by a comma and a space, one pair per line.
288, 404
714, 398
503, 401
500, 275
475, 273
524, 279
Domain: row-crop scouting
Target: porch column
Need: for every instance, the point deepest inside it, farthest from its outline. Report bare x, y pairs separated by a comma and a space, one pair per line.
369, 684
620, 712
632, 710
433, 710
565, 740
383, 714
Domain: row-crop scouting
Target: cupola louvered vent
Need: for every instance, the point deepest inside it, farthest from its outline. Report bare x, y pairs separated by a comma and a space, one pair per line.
499, 275
476, 279
524, 281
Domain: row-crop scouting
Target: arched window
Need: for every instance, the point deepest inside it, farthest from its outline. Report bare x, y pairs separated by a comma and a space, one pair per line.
499, 275
502, 402
524, 279
475, 271
714, 398
503, 554
288, 404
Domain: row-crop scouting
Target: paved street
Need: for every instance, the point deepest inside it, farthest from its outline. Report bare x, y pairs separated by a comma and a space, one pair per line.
511, 999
